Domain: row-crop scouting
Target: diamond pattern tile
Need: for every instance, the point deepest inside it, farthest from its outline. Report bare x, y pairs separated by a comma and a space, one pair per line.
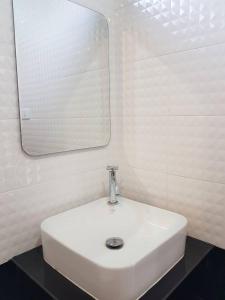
202, 203
33, 189
197, 147
172, 66
167, 101
164, 26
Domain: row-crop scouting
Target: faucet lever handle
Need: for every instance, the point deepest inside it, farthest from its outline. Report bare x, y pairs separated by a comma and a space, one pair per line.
112, 168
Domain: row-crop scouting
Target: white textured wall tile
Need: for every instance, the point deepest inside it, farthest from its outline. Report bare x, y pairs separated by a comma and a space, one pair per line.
168, 138
23, 210
116, 83
19, 170
144, 185
32, 189
197, 147
185, 83
6, 22
145, 88
145, 141
203, 205
172, 66
8, 99
159, 27
195, 81
8, 84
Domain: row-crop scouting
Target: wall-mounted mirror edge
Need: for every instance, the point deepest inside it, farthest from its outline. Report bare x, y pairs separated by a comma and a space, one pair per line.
81, 119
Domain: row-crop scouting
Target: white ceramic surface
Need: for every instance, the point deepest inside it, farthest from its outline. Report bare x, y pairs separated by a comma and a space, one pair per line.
74, 244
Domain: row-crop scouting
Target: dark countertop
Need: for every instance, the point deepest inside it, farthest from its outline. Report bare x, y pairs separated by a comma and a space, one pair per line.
59, 288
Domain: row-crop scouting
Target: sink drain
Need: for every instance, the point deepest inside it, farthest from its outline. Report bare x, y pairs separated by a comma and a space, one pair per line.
114, 243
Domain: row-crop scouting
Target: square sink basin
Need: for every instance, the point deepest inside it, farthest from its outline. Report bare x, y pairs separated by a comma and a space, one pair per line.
74, 244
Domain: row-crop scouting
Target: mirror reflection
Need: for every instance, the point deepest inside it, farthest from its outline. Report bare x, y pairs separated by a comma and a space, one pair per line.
62, 52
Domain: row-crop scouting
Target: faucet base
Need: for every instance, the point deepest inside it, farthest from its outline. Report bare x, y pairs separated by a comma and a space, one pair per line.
113, 203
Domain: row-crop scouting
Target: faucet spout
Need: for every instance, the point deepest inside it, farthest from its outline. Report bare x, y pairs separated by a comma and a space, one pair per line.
113, 185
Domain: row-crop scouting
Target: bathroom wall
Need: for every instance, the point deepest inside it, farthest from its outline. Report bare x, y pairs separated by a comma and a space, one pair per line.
33, 189
173, 93
168, 123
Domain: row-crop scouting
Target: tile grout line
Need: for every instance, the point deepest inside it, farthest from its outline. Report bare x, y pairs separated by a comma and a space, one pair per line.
174, 174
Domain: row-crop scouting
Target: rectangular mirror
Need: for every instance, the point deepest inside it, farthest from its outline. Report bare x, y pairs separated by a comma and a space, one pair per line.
62, 52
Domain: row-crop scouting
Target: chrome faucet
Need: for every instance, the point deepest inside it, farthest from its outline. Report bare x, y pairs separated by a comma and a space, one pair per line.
113, 186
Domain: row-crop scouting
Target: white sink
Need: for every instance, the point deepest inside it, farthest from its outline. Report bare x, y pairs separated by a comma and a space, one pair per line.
74, 245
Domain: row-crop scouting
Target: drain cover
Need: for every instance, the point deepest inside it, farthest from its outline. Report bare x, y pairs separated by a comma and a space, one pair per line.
114, 243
